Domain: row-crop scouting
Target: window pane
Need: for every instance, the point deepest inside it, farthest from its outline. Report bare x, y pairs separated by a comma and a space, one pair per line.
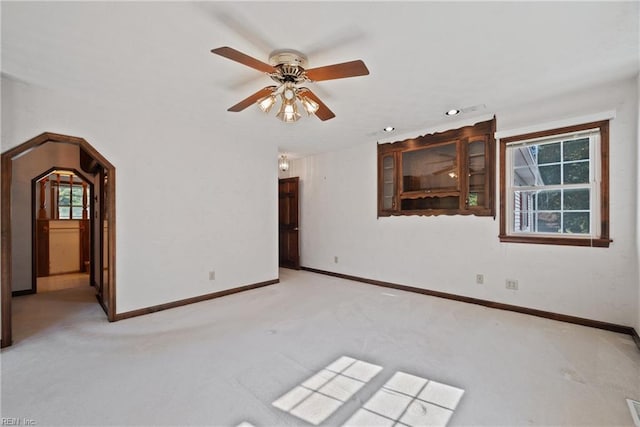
549, 153
76, 195
525, 176
577, 149
576, 173
521, 221
64, 195
63, 212
525, 167
550, 174
548, 200
77, 213
576, 200
548, 222
576, 222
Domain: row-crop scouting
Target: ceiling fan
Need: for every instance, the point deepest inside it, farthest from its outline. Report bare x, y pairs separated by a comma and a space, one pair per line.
288, 68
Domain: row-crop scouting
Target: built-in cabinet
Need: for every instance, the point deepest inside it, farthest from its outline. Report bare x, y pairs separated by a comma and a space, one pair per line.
445, 173
63, 246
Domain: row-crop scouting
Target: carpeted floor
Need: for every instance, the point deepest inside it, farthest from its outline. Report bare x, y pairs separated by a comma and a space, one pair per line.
311, 349
62, 281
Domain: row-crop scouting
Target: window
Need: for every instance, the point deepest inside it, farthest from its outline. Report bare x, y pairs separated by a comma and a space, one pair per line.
70, 204
446, 173
63, 194
555, 186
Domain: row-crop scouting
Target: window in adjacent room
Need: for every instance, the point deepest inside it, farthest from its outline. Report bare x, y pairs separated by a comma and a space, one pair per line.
555, 186
70, 205
64, 195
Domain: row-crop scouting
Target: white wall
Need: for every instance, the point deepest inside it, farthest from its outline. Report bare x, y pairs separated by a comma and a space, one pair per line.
444, 253
190, 198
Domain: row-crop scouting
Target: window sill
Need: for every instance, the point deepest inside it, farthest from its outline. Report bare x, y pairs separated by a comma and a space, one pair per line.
564, 241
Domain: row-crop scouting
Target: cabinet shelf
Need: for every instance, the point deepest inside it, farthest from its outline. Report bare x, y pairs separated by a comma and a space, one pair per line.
426, 194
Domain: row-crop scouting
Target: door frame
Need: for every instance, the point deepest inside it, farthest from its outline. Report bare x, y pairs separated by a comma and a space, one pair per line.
6, 222
34, 218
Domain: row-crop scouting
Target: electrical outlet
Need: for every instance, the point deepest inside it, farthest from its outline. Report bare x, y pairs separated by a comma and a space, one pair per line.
511, 284
212, 275
335, 259
480, 279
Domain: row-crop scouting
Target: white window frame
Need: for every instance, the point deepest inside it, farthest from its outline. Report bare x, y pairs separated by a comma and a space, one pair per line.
593, 185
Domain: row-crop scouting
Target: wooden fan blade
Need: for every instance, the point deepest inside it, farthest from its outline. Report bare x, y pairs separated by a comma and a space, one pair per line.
244, 59
338, 71
323, 113
252, 99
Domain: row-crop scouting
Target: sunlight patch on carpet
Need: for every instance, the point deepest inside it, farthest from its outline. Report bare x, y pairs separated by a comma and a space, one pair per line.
320, 395
409, 400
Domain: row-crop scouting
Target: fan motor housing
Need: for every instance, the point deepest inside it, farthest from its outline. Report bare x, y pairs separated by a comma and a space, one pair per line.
288, 57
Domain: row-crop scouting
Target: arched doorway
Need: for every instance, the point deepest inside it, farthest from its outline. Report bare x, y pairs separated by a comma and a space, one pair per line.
64, 230
91, 162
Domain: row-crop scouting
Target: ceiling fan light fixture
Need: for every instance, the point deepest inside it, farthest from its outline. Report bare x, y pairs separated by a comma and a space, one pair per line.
288, 68
267, 103
289, 92
288, 111
310, 106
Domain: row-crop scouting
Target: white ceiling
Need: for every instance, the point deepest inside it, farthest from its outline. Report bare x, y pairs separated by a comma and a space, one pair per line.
424, 58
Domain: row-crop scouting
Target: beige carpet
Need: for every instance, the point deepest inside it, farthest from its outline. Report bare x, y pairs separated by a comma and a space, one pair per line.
359, 353
62, 281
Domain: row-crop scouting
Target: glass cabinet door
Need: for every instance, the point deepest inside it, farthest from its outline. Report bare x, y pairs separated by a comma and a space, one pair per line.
430, 169
431, 178
477, 182
388, 182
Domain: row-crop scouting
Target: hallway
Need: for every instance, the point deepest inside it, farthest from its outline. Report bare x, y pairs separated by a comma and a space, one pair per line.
62, 281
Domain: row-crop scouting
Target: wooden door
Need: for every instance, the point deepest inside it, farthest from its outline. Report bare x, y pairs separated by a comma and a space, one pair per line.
288, 222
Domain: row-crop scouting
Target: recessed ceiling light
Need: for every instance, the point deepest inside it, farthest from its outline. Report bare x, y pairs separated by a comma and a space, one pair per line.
452, 112
389, 129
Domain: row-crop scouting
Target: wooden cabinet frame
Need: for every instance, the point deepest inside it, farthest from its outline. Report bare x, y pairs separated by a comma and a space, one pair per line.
391, 197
